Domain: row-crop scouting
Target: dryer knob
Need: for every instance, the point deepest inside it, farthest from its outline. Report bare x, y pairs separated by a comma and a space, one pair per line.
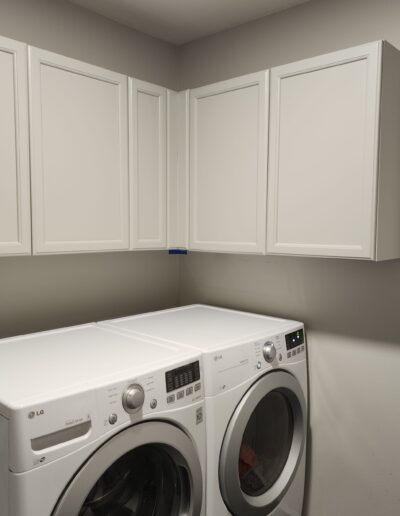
269, 351
133, 398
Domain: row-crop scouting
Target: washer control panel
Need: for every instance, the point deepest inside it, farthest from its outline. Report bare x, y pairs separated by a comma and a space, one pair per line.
165, 389
182, 376
47, 430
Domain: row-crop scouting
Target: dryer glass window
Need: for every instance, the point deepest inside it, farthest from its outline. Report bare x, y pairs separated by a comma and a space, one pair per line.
266, 443
146, 482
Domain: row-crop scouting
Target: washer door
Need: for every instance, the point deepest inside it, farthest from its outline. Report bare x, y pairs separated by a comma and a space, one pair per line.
150, 469
263, 445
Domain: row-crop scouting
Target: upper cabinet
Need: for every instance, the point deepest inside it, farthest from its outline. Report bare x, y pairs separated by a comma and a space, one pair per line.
228, 165
148, 164
334, 155
118, 163
79, 155
15, 233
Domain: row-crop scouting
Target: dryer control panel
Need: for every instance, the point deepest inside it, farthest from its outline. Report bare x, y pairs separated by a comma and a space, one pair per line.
230, 366
294, 339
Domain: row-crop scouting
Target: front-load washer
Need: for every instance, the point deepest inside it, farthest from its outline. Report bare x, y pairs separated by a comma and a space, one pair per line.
91, 424
255, 370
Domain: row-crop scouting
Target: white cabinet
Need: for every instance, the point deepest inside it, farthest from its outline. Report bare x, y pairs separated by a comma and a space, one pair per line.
334, 159
15, 229
118, 164
148, 165
79, 155
228, 165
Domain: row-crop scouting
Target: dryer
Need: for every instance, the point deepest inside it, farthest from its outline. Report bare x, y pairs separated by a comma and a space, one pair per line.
255, 370
90, 424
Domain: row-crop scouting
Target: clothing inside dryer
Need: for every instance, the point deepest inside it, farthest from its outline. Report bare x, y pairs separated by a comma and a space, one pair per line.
266, 444
146, 482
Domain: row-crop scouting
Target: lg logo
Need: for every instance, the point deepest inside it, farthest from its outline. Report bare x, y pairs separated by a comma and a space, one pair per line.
34, 413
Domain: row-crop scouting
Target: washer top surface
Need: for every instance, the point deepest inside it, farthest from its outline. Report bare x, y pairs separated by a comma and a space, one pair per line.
202, 327
61, 362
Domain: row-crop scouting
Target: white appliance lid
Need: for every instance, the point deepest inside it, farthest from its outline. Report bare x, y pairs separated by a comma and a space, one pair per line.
64, 361
202, 327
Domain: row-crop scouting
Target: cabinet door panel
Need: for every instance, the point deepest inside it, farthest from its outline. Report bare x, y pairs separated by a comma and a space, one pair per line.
323, 155
148, 165
79, 135
228, 169
15, 225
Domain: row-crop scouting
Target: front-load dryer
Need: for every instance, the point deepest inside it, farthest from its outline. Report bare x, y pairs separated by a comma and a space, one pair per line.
91, 424
255, 370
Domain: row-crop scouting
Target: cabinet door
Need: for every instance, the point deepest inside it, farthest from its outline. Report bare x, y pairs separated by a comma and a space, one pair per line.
148, 144
79, 152
323, 154
228, 165
15, 224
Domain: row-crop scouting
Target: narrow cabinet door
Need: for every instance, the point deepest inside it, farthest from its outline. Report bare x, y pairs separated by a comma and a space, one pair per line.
79, 152
228, 165
15, 224
323, 154
148, 164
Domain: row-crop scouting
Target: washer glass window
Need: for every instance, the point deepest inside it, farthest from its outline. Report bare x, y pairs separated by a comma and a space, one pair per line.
148, 469
144, 481
266, 444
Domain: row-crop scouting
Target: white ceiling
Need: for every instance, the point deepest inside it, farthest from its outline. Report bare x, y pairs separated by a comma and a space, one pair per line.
180, 21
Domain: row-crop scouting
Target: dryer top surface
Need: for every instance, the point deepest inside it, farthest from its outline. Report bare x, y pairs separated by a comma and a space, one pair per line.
205, 328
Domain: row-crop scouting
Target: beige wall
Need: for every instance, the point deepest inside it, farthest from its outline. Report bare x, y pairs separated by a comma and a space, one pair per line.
310, 29
43, 292
63, 27
351, 308
38, 293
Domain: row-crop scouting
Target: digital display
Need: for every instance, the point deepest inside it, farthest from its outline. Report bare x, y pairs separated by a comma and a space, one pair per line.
181, 376
294, 339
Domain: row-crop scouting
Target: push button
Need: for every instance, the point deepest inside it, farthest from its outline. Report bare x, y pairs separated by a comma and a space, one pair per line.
180, 395
199, 416
171, 398
197, 387
112, 419
189, 391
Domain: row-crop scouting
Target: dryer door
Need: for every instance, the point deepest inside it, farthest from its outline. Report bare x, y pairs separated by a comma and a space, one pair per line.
150, 469
263, 445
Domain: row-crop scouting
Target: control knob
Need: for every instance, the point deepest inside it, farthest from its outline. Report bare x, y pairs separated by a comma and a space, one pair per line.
269, 351
133, 398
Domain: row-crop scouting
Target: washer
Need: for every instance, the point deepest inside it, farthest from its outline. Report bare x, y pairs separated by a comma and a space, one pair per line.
91, 423
256, 404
